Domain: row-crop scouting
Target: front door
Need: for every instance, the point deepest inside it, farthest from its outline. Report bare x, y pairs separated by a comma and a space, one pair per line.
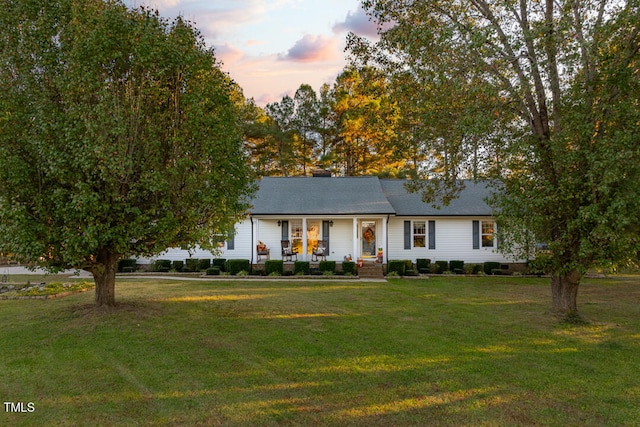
368, 239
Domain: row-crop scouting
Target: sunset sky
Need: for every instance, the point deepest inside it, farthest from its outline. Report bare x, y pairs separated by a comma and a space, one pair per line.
271, 47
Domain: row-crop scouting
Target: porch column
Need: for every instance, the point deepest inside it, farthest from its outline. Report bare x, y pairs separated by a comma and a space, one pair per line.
383, 243
254, 240
356, 243
304, 239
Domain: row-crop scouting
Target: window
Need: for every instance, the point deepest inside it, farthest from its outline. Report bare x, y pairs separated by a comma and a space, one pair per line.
296, 234
313, 235
419, 234
488, 230
415, 234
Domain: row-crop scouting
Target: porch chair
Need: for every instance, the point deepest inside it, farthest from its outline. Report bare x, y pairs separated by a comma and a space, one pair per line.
262, 251
319, 251
287, 251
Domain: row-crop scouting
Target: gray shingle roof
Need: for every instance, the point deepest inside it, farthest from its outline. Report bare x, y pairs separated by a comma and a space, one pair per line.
320, 196
359, 196
471, 201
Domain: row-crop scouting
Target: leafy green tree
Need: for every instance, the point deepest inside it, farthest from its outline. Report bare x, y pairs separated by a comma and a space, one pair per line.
326, 126
554, 116
257, 129
118, 137
307, 124
282, 133
364, 118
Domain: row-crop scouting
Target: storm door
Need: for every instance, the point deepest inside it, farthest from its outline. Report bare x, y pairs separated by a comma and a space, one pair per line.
368, 238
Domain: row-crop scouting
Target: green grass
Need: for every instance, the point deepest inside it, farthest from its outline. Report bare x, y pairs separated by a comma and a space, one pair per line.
447, 351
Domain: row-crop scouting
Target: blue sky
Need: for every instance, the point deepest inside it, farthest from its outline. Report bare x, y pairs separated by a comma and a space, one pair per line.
271, 47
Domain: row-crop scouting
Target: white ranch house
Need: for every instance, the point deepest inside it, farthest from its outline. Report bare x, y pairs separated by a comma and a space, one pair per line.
358, 216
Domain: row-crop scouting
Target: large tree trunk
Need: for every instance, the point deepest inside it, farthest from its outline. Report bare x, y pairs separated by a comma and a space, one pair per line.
564, 292
104, 274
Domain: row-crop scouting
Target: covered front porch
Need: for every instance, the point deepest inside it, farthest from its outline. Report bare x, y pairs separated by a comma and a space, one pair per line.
351, 237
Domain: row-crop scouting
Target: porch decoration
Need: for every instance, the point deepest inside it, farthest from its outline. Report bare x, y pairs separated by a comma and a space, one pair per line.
262, 251
369, 236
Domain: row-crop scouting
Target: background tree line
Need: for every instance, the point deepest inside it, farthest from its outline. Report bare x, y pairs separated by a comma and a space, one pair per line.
369, 122
348, 127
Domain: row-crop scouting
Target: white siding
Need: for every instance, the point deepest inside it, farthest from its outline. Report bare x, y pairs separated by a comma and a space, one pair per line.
340, 239
454, 241
269, 233
242, 248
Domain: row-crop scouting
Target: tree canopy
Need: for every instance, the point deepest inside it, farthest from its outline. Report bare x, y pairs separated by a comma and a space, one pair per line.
118, 137
541, 96
348, 128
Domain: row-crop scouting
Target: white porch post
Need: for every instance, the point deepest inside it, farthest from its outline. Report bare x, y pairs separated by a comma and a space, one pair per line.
356, 252
383, 243
254, 239
304, 239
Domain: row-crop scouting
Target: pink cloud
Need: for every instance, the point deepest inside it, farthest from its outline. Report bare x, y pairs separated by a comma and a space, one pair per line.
254, 42
312, 49
228, 53
359, 23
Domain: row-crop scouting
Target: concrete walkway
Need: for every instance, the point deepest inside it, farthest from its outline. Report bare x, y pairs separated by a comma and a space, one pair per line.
12, 270
82, 274
253, 278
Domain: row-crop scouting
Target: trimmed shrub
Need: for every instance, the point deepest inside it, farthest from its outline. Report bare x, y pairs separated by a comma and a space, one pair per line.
327, 266
434, 268
163, 265
472, 268
301, 268
127, 265
190, 264
274, 266
349, 267
213, 271
396, 266
423, 265
235, 266
442, 266
177, 266
457, 266
221, 263
204, 264
489, 266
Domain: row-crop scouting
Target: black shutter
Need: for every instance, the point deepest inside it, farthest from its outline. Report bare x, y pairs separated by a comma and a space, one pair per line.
407, 234
432, 234
476, 234
285, 230
325, 234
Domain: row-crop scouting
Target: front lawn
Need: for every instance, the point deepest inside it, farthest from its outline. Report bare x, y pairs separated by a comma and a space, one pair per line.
445, 351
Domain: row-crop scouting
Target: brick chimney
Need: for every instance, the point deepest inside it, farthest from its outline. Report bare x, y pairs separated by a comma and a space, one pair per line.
317, 173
